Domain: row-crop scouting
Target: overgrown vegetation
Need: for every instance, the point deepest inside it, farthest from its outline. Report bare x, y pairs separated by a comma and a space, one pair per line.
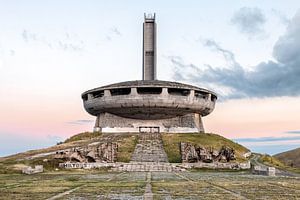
126, 147
83, 136
208, 140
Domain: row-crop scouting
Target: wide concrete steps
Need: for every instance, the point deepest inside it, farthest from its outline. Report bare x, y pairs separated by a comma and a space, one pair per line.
148, 167
149, 149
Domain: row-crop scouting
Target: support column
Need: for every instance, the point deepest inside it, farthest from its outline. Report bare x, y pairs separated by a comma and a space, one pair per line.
199, 123
164, 92
97, 127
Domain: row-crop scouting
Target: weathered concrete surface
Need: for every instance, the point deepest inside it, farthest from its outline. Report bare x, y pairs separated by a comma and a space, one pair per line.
193, 153
149, 149
189, 123
149, 100
149, 48
33, 170
98, 152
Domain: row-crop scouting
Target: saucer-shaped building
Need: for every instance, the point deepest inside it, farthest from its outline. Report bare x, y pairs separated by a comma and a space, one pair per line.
149, 105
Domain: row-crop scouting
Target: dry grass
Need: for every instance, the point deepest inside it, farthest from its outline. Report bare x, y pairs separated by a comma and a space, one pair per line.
126, 148
83, 136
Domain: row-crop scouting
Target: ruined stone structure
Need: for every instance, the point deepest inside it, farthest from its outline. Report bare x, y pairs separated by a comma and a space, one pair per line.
263, 170
149, 105
102, 152
33, 170
193, 153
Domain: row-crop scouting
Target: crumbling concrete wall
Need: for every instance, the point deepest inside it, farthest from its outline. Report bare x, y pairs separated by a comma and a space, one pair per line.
30, 170
263, 170
101, 152
191, 153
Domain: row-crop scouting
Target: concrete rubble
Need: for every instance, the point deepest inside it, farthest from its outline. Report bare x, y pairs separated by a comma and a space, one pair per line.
35, 170
193, 153
100, 152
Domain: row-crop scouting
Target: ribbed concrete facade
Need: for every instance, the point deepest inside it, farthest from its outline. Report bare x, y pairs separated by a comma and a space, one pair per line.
149, 48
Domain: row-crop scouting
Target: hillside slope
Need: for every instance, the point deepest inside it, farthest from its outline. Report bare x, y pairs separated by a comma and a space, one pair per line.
290, 158
126, 145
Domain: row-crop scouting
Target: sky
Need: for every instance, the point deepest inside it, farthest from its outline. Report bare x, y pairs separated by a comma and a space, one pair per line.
247, 51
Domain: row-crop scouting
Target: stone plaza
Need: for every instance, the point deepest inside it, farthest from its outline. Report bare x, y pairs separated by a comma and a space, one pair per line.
75, 185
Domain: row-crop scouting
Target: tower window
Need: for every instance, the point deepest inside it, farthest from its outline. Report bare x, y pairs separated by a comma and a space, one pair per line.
120, 91
178, 91
149, 53
149, 90
98, 94
200, 94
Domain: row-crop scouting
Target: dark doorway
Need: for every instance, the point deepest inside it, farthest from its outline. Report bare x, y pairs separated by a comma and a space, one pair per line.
149, 129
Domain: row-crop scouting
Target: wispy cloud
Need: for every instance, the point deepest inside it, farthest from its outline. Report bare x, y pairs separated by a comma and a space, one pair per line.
249, 21
293, 132
267, 139
116, 31
113, 33
270, 145
267, 79
81, 122
66, 42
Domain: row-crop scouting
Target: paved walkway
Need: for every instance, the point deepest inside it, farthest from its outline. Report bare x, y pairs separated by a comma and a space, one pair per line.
149, 149
148, 167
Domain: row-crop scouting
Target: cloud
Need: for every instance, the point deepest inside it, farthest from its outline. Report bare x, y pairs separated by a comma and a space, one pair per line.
66, 42
282, 17
115, 31
293, 132
270, 145
267, 139
249, 21
81, 122
268, 79
28, 36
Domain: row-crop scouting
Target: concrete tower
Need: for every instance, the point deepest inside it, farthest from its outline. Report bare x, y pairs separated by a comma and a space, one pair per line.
149, 47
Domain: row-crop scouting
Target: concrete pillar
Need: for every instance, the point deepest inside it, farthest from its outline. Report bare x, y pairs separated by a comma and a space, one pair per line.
107, 93
133, 92
165, 92
199, 123
192, 93
209, 97
90, 96
97, 127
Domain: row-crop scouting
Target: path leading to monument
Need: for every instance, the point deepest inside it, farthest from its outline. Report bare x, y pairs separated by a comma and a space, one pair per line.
149, 149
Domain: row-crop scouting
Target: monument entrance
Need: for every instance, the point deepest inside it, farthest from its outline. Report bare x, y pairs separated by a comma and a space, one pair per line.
149, 129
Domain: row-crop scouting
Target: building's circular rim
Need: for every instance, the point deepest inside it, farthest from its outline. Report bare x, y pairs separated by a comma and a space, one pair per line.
149, 83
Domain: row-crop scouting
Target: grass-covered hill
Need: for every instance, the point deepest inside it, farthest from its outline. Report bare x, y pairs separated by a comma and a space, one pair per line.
126, 144
290, 158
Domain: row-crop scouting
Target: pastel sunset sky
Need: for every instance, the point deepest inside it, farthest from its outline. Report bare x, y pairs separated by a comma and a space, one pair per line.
247, 51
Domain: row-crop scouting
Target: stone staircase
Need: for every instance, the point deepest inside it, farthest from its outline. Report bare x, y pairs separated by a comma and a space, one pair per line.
148, 167
149, 149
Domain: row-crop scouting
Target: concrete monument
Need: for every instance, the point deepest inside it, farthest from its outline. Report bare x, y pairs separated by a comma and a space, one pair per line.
149, 105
